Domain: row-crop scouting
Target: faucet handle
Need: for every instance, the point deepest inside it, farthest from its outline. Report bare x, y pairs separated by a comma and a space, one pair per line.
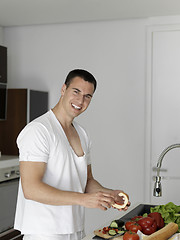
157, 192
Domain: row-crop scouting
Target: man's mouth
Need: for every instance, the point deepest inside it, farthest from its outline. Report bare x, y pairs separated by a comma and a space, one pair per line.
76, 107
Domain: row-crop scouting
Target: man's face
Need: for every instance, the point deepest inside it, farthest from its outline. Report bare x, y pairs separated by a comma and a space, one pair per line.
77, 96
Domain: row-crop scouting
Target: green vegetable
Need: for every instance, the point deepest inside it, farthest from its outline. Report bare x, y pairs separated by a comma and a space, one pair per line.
113, 224
169, 212
112, 232
117, 223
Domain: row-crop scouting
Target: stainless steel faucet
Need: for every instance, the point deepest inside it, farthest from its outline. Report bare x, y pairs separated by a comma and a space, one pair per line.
157, 186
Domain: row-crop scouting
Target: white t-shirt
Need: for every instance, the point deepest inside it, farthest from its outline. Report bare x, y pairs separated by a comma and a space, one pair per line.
44, 140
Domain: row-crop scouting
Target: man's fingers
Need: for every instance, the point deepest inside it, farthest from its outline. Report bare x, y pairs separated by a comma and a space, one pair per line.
105, 200
107, 197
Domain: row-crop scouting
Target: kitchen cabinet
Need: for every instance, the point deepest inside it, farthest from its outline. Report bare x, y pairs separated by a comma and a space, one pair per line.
3, 101
3, 64
23, 105
3, 81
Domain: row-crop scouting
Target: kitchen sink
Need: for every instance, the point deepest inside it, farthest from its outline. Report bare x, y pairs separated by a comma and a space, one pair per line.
139, 210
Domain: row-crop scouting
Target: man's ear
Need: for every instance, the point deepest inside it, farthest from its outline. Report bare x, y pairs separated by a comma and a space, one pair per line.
63, 89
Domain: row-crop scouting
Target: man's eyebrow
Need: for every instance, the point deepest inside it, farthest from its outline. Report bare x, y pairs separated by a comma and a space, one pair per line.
76, 89
89, 95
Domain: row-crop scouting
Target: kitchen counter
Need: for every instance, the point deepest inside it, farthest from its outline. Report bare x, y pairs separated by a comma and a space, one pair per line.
9, 167
8, 161
119, 215
134, 210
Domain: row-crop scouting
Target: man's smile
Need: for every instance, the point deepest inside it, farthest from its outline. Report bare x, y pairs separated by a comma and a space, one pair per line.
76, 107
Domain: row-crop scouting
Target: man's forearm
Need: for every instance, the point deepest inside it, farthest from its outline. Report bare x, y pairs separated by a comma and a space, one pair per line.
46, 194
95, 186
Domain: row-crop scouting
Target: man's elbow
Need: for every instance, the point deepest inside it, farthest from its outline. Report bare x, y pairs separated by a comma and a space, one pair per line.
29, 191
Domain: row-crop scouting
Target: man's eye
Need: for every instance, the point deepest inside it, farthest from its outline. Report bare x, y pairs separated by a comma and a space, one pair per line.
88, 96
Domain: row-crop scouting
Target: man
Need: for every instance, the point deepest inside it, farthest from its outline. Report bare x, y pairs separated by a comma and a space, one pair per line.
56, 178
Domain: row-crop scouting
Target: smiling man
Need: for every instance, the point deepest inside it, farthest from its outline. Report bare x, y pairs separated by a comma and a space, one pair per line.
56, 180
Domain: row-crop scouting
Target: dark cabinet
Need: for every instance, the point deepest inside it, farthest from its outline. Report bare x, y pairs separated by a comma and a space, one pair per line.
3, 64
3, 81
3, 101
23, 105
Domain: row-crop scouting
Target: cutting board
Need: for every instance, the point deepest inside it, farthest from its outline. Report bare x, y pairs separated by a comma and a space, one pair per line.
106, 236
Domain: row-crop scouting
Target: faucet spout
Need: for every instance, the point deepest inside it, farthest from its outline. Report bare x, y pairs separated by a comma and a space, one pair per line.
157, 186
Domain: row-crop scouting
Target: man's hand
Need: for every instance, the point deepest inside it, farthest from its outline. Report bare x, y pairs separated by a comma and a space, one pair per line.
120, 199
101, 200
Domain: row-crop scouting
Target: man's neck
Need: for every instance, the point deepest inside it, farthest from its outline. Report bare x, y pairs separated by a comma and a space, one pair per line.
61, 116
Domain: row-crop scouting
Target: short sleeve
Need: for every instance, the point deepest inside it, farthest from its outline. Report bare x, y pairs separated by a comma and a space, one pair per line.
33, 143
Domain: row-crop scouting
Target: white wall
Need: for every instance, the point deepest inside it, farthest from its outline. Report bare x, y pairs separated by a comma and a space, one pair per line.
39, 57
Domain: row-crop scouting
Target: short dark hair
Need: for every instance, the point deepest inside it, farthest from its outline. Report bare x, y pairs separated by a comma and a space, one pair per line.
85, 75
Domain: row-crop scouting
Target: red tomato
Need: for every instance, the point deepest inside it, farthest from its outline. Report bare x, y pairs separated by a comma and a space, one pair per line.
128, 224
130, 236
135, 227
136, 218
106, 229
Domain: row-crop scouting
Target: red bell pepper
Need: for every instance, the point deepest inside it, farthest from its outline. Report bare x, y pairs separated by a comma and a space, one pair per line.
148, 225
158, 218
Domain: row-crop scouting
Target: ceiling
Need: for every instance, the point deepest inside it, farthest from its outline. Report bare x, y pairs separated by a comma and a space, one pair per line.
30, 12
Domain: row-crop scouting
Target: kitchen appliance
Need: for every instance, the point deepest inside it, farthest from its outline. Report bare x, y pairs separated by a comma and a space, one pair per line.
9, 181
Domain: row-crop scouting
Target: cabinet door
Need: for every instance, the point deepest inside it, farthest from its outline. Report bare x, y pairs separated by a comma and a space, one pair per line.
3, 64
3, 101
20, 110
15, 122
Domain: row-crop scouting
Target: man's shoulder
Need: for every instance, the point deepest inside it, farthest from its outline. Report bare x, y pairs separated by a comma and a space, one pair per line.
42, 119
38, 123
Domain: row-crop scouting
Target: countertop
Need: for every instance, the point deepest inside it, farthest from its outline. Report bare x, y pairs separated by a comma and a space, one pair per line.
119, 215
8, 161
131, 210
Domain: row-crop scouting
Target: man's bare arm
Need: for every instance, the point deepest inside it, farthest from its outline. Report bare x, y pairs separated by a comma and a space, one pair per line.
92, 184
35, 189
95, 186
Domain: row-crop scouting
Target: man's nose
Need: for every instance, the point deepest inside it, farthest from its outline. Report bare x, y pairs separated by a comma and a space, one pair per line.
80, 99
